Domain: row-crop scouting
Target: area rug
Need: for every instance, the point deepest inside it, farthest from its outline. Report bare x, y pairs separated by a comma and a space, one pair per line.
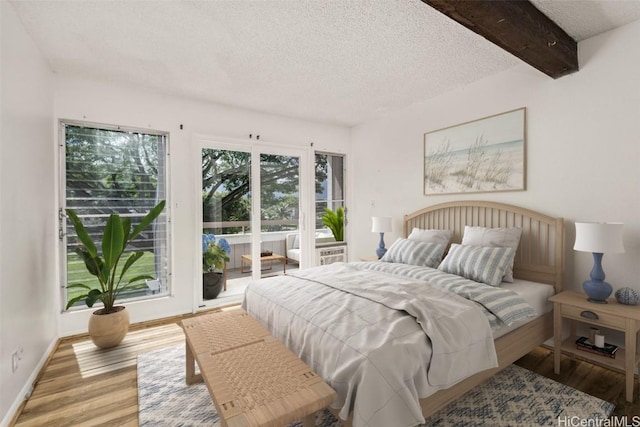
514, 396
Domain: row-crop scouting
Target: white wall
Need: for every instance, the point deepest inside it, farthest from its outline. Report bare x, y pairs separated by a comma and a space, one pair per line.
583, 151
28, 240
129, 106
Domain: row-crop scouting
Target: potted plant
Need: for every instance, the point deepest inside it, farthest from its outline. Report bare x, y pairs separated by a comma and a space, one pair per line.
109, 325
215, 255
335, 222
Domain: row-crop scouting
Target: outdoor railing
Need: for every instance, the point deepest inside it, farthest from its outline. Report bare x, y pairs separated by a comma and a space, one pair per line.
291, 224
240, 241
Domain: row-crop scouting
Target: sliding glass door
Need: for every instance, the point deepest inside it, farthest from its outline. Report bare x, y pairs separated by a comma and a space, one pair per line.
248, 233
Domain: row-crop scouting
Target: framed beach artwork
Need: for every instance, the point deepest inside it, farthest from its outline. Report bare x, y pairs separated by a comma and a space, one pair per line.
479, 156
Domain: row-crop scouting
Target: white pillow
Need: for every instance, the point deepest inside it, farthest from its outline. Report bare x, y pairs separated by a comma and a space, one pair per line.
440, 237
494, 238
481, 264
405, 251
296, 242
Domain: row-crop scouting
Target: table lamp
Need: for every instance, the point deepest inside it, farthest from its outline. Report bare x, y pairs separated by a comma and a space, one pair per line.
598, 238
381, 224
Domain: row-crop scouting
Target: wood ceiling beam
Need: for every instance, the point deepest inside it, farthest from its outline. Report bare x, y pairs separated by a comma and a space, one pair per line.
519, 28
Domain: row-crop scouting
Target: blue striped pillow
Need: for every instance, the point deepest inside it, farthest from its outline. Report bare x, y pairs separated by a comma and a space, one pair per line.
414, 252
478, 263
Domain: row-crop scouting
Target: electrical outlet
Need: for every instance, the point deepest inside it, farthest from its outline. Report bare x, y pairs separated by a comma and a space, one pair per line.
16, 357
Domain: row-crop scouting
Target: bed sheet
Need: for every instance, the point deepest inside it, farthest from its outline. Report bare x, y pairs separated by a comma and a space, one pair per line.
535, 294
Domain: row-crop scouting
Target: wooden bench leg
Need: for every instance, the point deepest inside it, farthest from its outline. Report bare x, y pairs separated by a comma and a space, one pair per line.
190, 375
309, 420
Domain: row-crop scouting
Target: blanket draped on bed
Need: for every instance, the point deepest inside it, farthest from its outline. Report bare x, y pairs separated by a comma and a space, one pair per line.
461, 343
351, 326
501, 306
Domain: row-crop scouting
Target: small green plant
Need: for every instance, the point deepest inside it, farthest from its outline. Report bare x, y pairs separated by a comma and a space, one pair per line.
214, 253
115, 238
335, 222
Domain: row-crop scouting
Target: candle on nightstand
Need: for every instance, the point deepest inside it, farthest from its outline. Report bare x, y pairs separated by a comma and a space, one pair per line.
599, 341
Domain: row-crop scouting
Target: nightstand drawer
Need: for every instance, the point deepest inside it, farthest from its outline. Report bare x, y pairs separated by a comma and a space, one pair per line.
603, 319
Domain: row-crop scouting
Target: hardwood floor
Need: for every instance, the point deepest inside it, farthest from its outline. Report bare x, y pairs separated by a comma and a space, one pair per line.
82, 386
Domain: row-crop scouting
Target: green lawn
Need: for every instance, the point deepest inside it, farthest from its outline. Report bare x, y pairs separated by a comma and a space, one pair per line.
77, 273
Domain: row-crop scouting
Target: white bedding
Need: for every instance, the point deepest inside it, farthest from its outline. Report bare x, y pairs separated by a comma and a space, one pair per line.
536, 294
374, 355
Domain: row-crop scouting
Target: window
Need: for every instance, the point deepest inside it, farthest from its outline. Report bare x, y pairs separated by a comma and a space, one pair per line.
226, 192
329, 184
108, 169
279, 192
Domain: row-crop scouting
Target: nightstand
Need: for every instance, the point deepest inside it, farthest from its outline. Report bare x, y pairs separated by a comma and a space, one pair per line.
369, 258
574, 306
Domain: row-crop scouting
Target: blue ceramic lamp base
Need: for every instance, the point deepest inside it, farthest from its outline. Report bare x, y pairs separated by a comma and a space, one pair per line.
381, 249
597, 289
598, 292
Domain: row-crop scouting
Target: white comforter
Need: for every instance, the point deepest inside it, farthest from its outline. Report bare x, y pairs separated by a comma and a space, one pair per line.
351, 326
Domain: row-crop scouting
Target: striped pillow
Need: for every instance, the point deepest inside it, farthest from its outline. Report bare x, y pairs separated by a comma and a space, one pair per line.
494, 237
478, 263
413, 252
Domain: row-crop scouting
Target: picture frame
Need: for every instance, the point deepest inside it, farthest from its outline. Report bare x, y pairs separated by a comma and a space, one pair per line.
483, 155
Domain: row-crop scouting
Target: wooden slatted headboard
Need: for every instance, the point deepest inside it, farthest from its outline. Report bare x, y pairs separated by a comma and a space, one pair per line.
539, 257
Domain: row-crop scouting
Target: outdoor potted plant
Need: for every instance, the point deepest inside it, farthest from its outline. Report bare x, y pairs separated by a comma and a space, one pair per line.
335, 222
215, 254
109, 325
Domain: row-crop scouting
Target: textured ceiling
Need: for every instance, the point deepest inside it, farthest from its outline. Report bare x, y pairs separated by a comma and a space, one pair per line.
341, 62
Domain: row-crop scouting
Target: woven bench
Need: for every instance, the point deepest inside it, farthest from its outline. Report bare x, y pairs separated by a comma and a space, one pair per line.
253, 379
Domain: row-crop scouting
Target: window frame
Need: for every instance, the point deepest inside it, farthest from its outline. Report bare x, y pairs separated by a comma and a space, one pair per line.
343, 200
62, 223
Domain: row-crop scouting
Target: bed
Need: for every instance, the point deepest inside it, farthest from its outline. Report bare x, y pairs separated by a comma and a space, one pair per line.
296, 311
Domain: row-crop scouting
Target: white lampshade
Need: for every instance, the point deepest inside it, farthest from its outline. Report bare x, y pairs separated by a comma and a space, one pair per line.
599, 237
381, 224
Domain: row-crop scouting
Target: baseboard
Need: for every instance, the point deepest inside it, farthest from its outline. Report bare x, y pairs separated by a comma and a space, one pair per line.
21, 399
